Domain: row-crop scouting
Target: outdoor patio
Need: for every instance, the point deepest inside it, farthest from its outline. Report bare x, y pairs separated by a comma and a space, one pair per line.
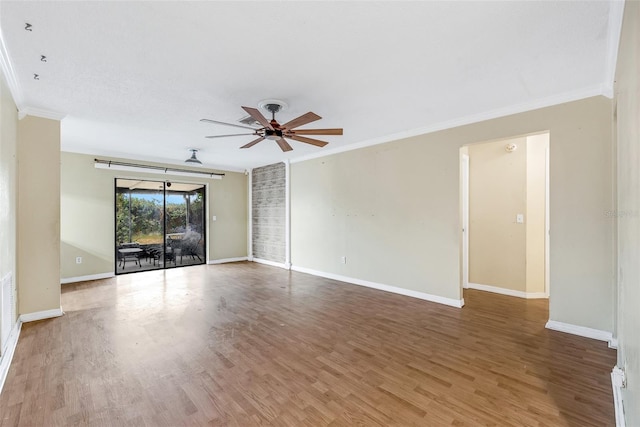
144, 261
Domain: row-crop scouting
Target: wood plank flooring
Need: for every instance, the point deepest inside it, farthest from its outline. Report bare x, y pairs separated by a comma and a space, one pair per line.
246, 344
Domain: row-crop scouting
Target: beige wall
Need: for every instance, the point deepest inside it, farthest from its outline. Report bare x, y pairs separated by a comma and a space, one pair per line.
498, 192
8, 196
393, 209
383, 208
537, 146
627, 213
504, 253
38, 214
87, 228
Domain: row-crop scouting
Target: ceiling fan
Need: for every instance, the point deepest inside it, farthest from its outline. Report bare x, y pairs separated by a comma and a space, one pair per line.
275, 131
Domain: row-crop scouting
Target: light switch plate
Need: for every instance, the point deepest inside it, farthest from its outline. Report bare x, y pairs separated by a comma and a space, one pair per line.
520, 219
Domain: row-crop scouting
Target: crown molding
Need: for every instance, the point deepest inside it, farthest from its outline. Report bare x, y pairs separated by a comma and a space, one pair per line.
588, 92
38, 112
616, 13
9, 74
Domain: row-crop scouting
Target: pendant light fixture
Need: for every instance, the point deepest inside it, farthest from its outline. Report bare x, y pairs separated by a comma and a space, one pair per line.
193, 158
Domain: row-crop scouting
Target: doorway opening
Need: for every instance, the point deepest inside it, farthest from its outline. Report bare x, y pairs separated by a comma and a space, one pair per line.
504, 191
158, 224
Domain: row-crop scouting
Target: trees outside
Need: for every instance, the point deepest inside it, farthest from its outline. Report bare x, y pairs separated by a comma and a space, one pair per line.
196, 211
138, 219
176, 217
139, 216
122, 218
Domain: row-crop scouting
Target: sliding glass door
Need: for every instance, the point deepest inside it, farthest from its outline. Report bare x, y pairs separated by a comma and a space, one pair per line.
158, 225
184, 224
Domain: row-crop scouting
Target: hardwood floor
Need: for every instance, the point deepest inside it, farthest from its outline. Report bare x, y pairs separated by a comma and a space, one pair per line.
246, 344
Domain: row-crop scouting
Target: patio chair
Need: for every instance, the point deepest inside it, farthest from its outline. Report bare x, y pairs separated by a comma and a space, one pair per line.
129, 252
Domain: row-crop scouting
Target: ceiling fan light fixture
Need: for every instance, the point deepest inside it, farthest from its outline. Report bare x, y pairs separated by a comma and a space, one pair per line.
193, 159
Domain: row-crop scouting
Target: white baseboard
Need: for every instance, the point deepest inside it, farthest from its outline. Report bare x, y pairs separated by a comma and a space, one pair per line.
226, 260
41, 315
387, 288
509, 292
582, 331
613, 343
7, 354
87, 278
271, 263
618, 382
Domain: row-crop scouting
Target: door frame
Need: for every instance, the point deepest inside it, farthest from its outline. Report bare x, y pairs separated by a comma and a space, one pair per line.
464, 188
205, 219
464, 214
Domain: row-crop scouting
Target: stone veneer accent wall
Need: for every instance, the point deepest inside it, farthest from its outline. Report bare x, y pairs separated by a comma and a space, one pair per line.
268, 211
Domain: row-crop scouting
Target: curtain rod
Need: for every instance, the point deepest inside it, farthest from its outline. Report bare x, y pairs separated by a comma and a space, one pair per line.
161, 169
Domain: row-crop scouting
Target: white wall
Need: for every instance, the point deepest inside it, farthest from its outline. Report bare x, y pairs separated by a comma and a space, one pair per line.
393, 209
627, 212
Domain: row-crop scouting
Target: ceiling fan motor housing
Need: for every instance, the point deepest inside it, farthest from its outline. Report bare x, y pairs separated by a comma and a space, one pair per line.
273, 134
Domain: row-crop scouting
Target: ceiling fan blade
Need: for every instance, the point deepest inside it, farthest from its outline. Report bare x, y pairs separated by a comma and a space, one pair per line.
316, 131
284, 145
302, 120
226, 124
253, 112
252, 143
233, 134
311, 141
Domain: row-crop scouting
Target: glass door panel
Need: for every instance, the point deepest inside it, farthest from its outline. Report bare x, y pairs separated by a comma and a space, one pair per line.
139, 225
185, 224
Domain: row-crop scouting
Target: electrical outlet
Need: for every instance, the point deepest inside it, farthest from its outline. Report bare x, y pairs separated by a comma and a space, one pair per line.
78, 260
343, 259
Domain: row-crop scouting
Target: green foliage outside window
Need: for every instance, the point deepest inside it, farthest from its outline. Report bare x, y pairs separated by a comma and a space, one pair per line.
140, 219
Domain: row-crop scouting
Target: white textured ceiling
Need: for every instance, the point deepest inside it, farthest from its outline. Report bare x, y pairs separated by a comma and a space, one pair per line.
133, 78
